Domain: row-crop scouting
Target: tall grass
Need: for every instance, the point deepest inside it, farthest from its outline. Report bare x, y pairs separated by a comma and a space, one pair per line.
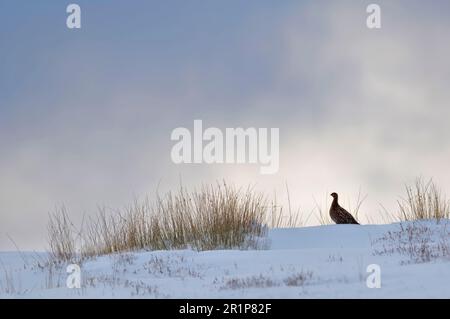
281, 218
213, 217
61, 236
216, 216
424, 200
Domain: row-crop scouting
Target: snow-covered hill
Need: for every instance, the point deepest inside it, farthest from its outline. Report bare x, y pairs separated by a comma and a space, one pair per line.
311, 262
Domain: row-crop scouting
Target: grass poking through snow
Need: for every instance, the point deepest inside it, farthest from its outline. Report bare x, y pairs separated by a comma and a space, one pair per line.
424, 200
214, 217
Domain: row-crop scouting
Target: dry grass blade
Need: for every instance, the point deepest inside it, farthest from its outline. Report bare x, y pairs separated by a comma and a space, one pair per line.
278, 219
216, 216
355, 211
61, 235
322, 215
424, 200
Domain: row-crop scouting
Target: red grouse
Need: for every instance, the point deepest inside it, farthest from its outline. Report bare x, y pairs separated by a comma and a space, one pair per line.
340, 215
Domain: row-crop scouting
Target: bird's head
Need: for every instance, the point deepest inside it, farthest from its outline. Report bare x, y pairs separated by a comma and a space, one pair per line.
334, 195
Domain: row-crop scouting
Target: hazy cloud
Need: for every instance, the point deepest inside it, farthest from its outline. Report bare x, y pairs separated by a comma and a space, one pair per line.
85, 118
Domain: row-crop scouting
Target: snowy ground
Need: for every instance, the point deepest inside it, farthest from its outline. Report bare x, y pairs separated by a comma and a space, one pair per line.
310, 262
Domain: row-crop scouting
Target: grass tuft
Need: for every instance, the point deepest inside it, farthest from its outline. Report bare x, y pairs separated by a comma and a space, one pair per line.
215, 217
424, 200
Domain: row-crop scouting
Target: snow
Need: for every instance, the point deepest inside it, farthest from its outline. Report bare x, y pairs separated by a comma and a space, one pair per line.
310, 262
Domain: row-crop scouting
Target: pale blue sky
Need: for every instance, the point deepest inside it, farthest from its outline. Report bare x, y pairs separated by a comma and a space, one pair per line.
86, 115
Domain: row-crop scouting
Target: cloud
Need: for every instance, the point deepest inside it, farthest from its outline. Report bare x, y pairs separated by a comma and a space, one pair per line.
355, 107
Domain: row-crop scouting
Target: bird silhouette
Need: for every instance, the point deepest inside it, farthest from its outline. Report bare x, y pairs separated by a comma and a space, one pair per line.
338, 214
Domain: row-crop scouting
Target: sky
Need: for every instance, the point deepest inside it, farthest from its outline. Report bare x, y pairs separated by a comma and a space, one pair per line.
86, 114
